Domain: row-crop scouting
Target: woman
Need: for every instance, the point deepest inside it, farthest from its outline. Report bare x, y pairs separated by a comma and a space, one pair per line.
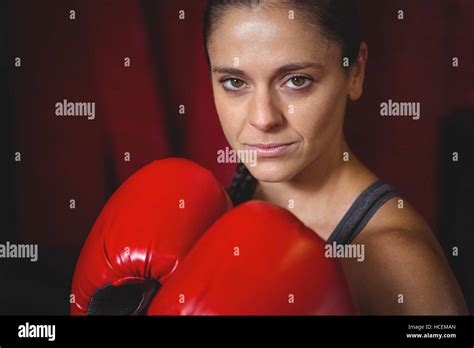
282, 73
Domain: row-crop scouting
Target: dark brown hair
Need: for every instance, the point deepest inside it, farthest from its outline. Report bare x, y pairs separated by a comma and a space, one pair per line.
337, 20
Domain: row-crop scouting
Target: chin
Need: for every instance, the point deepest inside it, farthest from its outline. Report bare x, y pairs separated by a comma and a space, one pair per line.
271, 171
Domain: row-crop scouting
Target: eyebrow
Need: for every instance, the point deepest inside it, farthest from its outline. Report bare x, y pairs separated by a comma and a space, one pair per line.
283, 69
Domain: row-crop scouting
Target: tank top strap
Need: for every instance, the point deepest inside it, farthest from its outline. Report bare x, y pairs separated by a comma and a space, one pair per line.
361, 211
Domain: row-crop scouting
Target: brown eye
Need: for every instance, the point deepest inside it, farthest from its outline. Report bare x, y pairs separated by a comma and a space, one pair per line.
233, 84
236, 83
298, 81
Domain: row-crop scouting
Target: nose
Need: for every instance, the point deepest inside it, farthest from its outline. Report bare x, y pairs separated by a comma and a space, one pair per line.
264, 112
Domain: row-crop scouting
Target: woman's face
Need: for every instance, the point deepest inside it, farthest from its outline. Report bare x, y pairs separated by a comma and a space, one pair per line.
279, 89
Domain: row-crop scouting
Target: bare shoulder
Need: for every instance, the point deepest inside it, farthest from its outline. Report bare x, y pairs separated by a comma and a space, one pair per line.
404, 270
397, 220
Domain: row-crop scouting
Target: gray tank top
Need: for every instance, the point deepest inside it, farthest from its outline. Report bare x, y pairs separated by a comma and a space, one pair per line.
360, 212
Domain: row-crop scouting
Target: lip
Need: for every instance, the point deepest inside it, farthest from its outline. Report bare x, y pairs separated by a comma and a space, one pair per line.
270, 150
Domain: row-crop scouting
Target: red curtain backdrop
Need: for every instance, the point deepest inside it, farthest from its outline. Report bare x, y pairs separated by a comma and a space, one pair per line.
137, 107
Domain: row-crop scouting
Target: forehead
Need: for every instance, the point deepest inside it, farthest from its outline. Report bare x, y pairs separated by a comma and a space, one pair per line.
267, 36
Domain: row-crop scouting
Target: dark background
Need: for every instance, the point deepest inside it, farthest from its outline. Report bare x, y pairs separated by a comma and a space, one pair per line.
137, 112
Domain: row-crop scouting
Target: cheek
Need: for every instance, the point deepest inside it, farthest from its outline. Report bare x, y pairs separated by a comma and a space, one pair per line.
229, 116
319, 118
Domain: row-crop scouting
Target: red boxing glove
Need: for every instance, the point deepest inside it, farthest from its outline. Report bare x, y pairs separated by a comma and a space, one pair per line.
145, 229
258, 259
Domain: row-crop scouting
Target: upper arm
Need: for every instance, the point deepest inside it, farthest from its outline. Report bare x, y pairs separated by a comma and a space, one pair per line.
404, 274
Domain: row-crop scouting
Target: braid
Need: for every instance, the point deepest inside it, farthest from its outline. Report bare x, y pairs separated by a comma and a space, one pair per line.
243, 185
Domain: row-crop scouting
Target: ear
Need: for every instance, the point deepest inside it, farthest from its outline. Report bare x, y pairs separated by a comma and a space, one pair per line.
357, 73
